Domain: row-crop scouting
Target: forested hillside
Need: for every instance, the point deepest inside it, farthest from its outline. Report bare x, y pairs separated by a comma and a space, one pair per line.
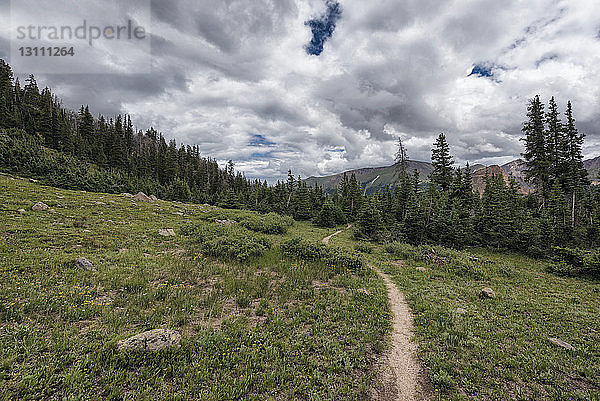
417, 202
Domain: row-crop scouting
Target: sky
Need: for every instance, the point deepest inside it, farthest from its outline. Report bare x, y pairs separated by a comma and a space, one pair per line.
324, 86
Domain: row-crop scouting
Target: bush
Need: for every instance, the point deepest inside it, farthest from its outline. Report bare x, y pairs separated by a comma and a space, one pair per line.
572, 260
301, 249
339, 258
330, 215
363, 247
232, 242
271, 223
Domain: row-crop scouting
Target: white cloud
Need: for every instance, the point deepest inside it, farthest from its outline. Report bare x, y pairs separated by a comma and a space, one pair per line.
226, 71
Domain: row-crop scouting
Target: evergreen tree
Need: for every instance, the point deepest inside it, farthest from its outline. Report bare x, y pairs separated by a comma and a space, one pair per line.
301, 202
537, 160
575, 174
442, 163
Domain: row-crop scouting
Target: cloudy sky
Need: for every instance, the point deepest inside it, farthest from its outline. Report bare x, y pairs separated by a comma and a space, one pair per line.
323, 86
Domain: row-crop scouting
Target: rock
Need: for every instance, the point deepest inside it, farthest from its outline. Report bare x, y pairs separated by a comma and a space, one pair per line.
226, 222
22, 211
460, 311
487, 293
33, 181
127, 195
152, 340
142, 197
40, 206
52, 211
421, 269
154, 198
561, 343
84, 263
179, 214
166, 232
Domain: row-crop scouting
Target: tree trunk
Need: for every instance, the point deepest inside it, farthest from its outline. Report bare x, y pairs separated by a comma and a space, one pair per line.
573, 211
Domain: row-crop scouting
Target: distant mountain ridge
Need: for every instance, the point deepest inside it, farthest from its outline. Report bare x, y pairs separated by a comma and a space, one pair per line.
373, 179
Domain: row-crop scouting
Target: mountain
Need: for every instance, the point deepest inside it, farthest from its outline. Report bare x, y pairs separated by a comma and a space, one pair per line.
374, 178
593, 168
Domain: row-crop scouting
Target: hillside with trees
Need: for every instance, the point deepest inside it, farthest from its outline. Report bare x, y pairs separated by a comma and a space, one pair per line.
412, 201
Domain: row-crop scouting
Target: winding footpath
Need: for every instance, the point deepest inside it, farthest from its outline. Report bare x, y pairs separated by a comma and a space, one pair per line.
402, 376
327, 239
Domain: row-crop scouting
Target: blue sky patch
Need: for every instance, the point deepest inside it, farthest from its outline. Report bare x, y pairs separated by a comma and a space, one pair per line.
482, 70
259, 140
323, 27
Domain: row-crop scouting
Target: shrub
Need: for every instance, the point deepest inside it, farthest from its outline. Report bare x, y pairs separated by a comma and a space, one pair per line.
233, 242
339, 258
571, 260
301, 249
363, 247
271, 223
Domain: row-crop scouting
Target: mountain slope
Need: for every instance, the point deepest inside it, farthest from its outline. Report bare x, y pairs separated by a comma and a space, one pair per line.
374, 178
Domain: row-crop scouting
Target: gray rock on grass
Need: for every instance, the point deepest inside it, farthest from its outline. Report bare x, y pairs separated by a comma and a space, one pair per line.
166, 232
40, 206
226, 222
561, 343
142, 197
152, 340
84, 263
487, 293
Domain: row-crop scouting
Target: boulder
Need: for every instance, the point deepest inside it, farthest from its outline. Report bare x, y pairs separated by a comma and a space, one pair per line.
561, 343
142, 197
22, 211
460, 311
226, 222
127, 195
33, 181
83, 263
421, 269
152, 340
166, 232
40, 206
487, 293
154, 198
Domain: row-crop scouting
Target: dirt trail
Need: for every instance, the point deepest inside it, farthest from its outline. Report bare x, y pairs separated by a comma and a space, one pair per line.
326, 239
402, 374
402, 377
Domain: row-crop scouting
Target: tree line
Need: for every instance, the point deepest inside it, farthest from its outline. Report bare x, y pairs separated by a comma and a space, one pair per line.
77, 150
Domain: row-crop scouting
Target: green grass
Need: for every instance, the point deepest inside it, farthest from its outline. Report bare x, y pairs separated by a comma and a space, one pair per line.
499, 349
258, 325
268, 328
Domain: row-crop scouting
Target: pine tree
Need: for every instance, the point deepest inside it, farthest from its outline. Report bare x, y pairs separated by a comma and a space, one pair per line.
401, 159
554, 143
442, 163
537, 160
301, 202
7, 96
575, 174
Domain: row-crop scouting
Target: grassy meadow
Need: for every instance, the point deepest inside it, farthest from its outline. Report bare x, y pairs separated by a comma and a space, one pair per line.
265, 312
